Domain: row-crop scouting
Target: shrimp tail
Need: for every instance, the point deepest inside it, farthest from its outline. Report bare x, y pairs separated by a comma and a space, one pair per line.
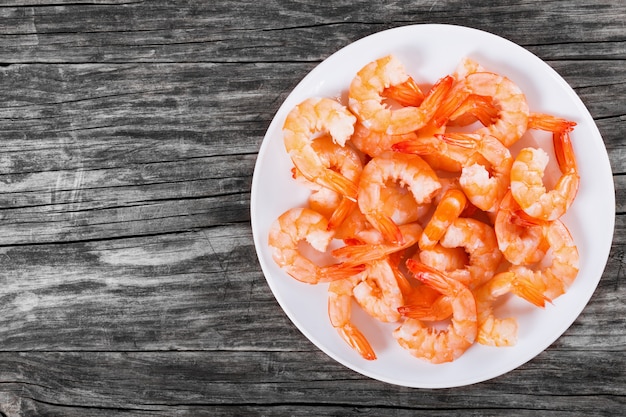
417, 147
339, 271
390, 231
481, 107
357, 341
525, 289
549, 123
407, 93
337, 182
463, 140
437, 96
447, 108
341, 212
564, 152
429, 276
441, 309
360, 253
363, 253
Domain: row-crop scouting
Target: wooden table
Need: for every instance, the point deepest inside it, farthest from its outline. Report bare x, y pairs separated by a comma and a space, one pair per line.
129, 283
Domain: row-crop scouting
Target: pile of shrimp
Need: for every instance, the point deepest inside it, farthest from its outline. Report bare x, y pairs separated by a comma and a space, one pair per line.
424, 214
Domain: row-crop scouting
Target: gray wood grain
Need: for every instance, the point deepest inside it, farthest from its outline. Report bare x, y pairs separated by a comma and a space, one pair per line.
129, 283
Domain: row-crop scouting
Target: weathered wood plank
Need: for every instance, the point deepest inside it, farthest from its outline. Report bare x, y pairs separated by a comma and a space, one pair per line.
200, 290
206, 32
273, 379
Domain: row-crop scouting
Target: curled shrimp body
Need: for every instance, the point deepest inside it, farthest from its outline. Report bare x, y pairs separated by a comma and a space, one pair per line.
520, 244
527, 184
510, 101
444, 259
554, 279
367, 102
438, 346
378, 292
340, 312
407, 170
346, 161
303, 123
495, 331
479, 241
294, 226
485, 189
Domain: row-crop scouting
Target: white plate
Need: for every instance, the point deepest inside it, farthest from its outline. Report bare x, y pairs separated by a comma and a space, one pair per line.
429, 52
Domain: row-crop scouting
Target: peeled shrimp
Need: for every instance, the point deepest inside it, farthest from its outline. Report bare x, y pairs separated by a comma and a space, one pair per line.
479, 241
444, 259
303, 123
366, 98
527, 184
438, 346
340, 311
286, 233
507, 97
495, 331
520, 242
407, 170
554, 279
378, 292
347, 162
485, 189
374, 143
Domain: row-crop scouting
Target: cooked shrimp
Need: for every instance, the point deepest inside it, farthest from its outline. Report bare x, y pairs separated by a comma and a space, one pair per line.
440, 346
407, 170
479, 241
447, 211
474, 108
549, 123
378, 248
507, 97
444, 259
378, 292
346, 161
466, 67
422, 301
440, 155
303, 123
520, 244
485, 189
407, 93
527, 184
366, 99
375, 143
439, 309
286, 233
355, 229
340, 311
554, 279
495, 331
